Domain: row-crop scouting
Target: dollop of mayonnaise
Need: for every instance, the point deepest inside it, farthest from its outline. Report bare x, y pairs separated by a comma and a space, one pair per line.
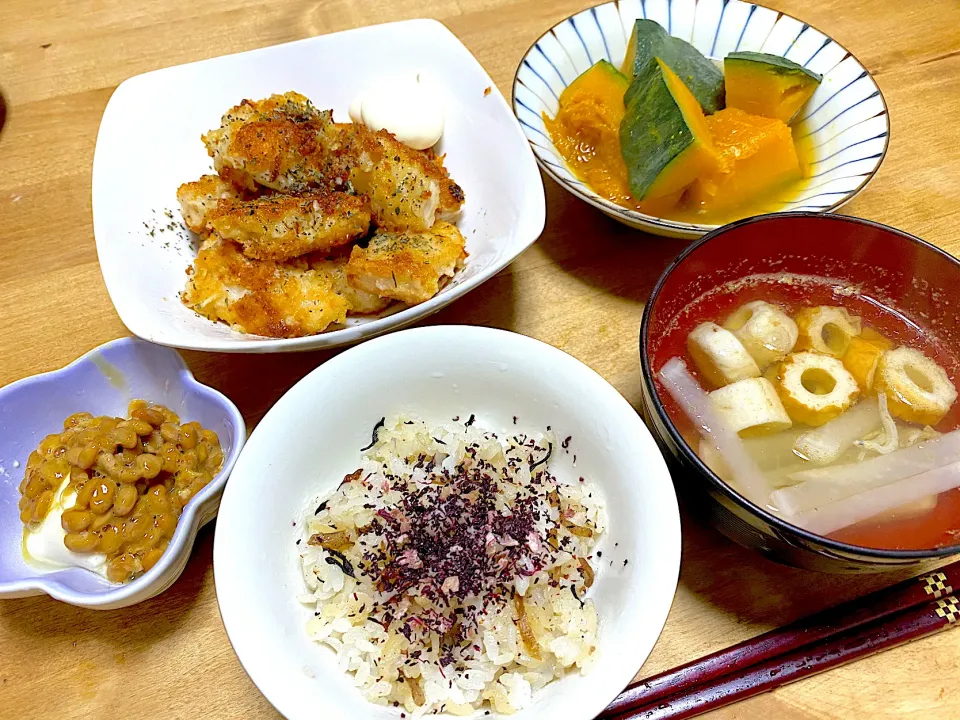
43, 543
410, 108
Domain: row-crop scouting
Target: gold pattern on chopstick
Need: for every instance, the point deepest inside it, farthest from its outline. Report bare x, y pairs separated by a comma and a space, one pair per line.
949, 609
936, 584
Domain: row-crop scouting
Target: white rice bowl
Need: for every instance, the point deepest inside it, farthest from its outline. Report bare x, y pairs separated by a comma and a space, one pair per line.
491, 665
311, 439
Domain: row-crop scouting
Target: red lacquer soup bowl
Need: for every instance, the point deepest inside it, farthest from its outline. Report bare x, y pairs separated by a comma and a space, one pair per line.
897, 283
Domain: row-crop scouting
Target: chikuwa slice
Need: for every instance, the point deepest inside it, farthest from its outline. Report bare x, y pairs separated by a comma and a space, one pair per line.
719, 355
765, 330
815, 388
917, 389
826, 330
751, 407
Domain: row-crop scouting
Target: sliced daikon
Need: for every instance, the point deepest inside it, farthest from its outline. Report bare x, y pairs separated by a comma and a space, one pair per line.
695, 403
850, 510
822, 486
829, 441
713, 459
772, 452
777, 476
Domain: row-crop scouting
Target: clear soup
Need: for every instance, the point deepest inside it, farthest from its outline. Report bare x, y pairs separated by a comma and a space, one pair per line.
813, 395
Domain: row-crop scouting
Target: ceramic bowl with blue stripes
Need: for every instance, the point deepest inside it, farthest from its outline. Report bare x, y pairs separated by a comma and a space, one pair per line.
845, 122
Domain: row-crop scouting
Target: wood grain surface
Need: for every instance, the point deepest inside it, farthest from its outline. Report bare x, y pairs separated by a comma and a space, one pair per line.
580, 288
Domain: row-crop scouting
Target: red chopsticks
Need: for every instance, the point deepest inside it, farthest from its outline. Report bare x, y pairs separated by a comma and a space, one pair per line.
878, 621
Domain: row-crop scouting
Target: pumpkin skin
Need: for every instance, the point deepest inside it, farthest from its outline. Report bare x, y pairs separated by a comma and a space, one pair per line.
700, 75
768, 85
664, 138
757, 158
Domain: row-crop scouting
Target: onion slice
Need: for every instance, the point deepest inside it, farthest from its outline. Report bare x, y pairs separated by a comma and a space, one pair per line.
890, 437
862, 506
822, 486
695, 403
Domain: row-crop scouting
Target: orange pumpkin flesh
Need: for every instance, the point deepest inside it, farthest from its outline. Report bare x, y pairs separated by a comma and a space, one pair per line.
757, 158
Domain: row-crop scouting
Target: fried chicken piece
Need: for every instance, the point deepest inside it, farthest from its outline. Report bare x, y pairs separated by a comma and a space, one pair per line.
407, 266
272, 142
199, 198
280, 227
261, 297
408, 189
361, 302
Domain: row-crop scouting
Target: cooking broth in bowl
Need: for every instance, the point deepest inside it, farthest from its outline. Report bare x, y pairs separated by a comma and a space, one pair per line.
821, 404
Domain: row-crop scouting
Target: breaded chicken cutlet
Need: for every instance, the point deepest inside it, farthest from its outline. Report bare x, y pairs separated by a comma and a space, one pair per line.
281, 300
407, 266
200, 197
286, 144
280, 227
272, 143
361, 302
293, 191
408, 189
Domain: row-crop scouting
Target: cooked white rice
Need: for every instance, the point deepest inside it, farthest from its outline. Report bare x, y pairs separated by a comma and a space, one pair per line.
430, 621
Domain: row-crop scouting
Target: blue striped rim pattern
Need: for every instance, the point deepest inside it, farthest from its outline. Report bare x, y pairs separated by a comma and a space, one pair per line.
845, 122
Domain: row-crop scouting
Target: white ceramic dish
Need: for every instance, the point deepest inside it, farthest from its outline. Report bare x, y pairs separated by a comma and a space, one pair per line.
845, 121
103, 382
312, 437
486, 154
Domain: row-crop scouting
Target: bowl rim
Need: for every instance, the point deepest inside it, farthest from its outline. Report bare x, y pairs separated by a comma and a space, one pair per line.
671, 540
156, 579
646, 371
522, 232
691, 229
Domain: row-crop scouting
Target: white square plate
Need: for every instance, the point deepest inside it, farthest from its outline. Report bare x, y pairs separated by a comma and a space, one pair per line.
149, 143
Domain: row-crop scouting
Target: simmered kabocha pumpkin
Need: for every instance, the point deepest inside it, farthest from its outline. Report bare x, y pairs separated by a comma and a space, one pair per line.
602, 88
683, 155
586, 129
664, 137
767, 85
757, 157
649, 40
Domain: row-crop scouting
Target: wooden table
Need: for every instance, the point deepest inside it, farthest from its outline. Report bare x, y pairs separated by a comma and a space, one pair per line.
581, 288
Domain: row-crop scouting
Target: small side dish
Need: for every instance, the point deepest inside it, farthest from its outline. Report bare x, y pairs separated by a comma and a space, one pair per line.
308, 220
106, 493
828, 409
451, 571
670, 134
